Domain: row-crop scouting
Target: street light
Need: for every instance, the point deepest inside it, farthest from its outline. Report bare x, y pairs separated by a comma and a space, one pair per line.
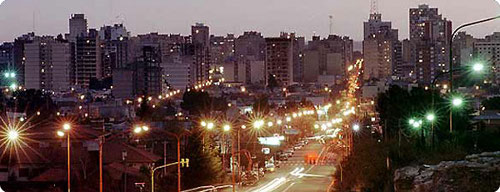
137, 129
478, 67
269, 124
258, 124
13, 135
226, 128
430, 117
457, 102
417, 123
450, 53
60, 133
356, 127
210, 126
67, 127
411, 121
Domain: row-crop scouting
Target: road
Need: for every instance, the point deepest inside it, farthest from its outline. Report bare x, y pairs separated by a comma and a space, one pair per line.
295, 175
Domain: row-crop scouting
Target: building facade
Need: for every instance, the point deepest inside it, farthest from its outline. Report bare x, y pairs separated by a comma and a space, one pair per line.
429, 36
48, 64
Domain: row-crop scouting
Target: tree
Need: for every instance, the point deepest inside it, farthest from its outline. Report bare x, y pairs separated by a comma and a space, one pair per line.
195, 102
205, 167
272, 82
261, 105
145, 112
32, 101
401, 144
491, 103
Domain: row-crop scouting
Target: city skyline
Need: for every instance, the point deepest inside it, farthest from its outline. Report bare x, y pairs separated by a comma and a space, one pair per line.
223, 18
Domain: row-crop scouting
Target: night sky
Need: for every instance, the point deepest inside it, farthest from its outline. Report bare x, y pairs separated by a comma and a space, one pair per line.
232, 16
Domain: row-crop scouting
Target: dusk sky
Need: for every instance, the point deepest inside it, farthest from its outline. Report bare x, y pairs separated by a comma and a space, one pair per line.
232, 16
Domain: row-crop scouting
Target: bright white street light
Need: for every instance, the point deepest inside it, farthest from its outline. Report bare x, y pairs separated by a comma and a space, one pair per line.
13, 135
66, 126
457, 102
210, 125
355, 127
430, 117
226, 128
478, 67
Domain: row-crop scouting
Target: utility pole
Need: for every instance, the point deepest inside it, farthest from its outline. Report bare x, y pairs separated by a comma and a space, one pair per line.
331, 24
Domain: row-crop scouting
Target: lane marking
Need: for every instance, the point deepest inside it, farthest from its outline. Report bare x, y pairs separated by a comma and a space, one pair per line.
290, 186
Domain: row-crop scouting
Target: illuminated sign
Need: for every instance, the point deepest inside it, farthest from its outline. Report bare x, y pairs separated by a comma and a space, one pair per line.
276, 140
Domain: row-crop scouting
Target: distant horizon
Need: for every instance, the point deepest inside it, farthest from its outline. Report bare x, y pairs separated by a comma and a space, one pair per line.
50, 17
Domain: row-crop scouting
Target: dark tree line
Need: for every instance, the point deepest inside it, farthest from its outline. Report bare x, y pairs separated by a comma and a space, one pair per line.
375, 156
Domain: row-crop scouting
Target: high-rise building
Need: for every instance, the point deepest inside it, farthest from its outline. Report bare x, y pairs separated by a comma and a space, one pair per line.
48, 64
463, 47
77, 27
327, 57
7, 57
140, 78
249, 51
114, 48
381, 49
19, 58
279, 60
487, 51
200, 38
429, 36
222, 49
177, 72
176, 53
375, 25
113, 33
88, 64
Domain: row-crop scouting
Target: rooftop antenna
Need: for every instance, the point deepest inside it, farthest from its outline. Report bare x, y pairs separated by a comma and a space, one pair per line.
331, 23
374, 6
34, 21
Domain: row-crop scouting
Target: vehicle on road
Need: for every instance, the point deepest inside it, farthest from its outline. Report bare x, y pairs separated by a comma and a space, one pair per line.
270, 167
249, 178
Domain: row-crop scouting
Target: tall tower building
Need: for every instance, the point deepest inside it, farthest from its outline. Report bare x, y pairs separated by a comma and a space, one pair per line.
429, 36
88, 59
327, 58
279, 60
381, 49
77, 27
200, 35
250, 54
48, 64
114, 48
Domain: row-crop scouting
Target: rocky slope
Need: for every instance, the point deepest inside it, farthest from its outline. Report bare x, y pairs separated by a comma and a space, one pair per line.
478, 172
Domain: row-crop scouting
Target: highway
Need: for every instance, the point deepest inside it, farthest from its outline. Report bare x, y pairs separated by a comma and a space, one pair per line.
295, 175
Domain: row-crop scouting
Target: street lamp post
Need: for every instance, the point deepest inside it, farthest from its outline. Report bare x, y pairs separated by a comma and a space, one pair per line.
102, 139
153, 173
476, 68
451, 55
178, 137
66, 128
431, 117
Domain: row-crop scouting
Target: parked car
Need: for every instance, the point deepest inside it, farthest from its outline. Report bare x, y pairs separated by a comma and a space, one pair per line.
297, 147
283, 157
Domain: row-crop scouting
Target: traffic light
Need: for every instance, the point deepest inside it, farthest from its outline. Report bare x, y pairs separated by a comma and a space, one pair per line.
184, 162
